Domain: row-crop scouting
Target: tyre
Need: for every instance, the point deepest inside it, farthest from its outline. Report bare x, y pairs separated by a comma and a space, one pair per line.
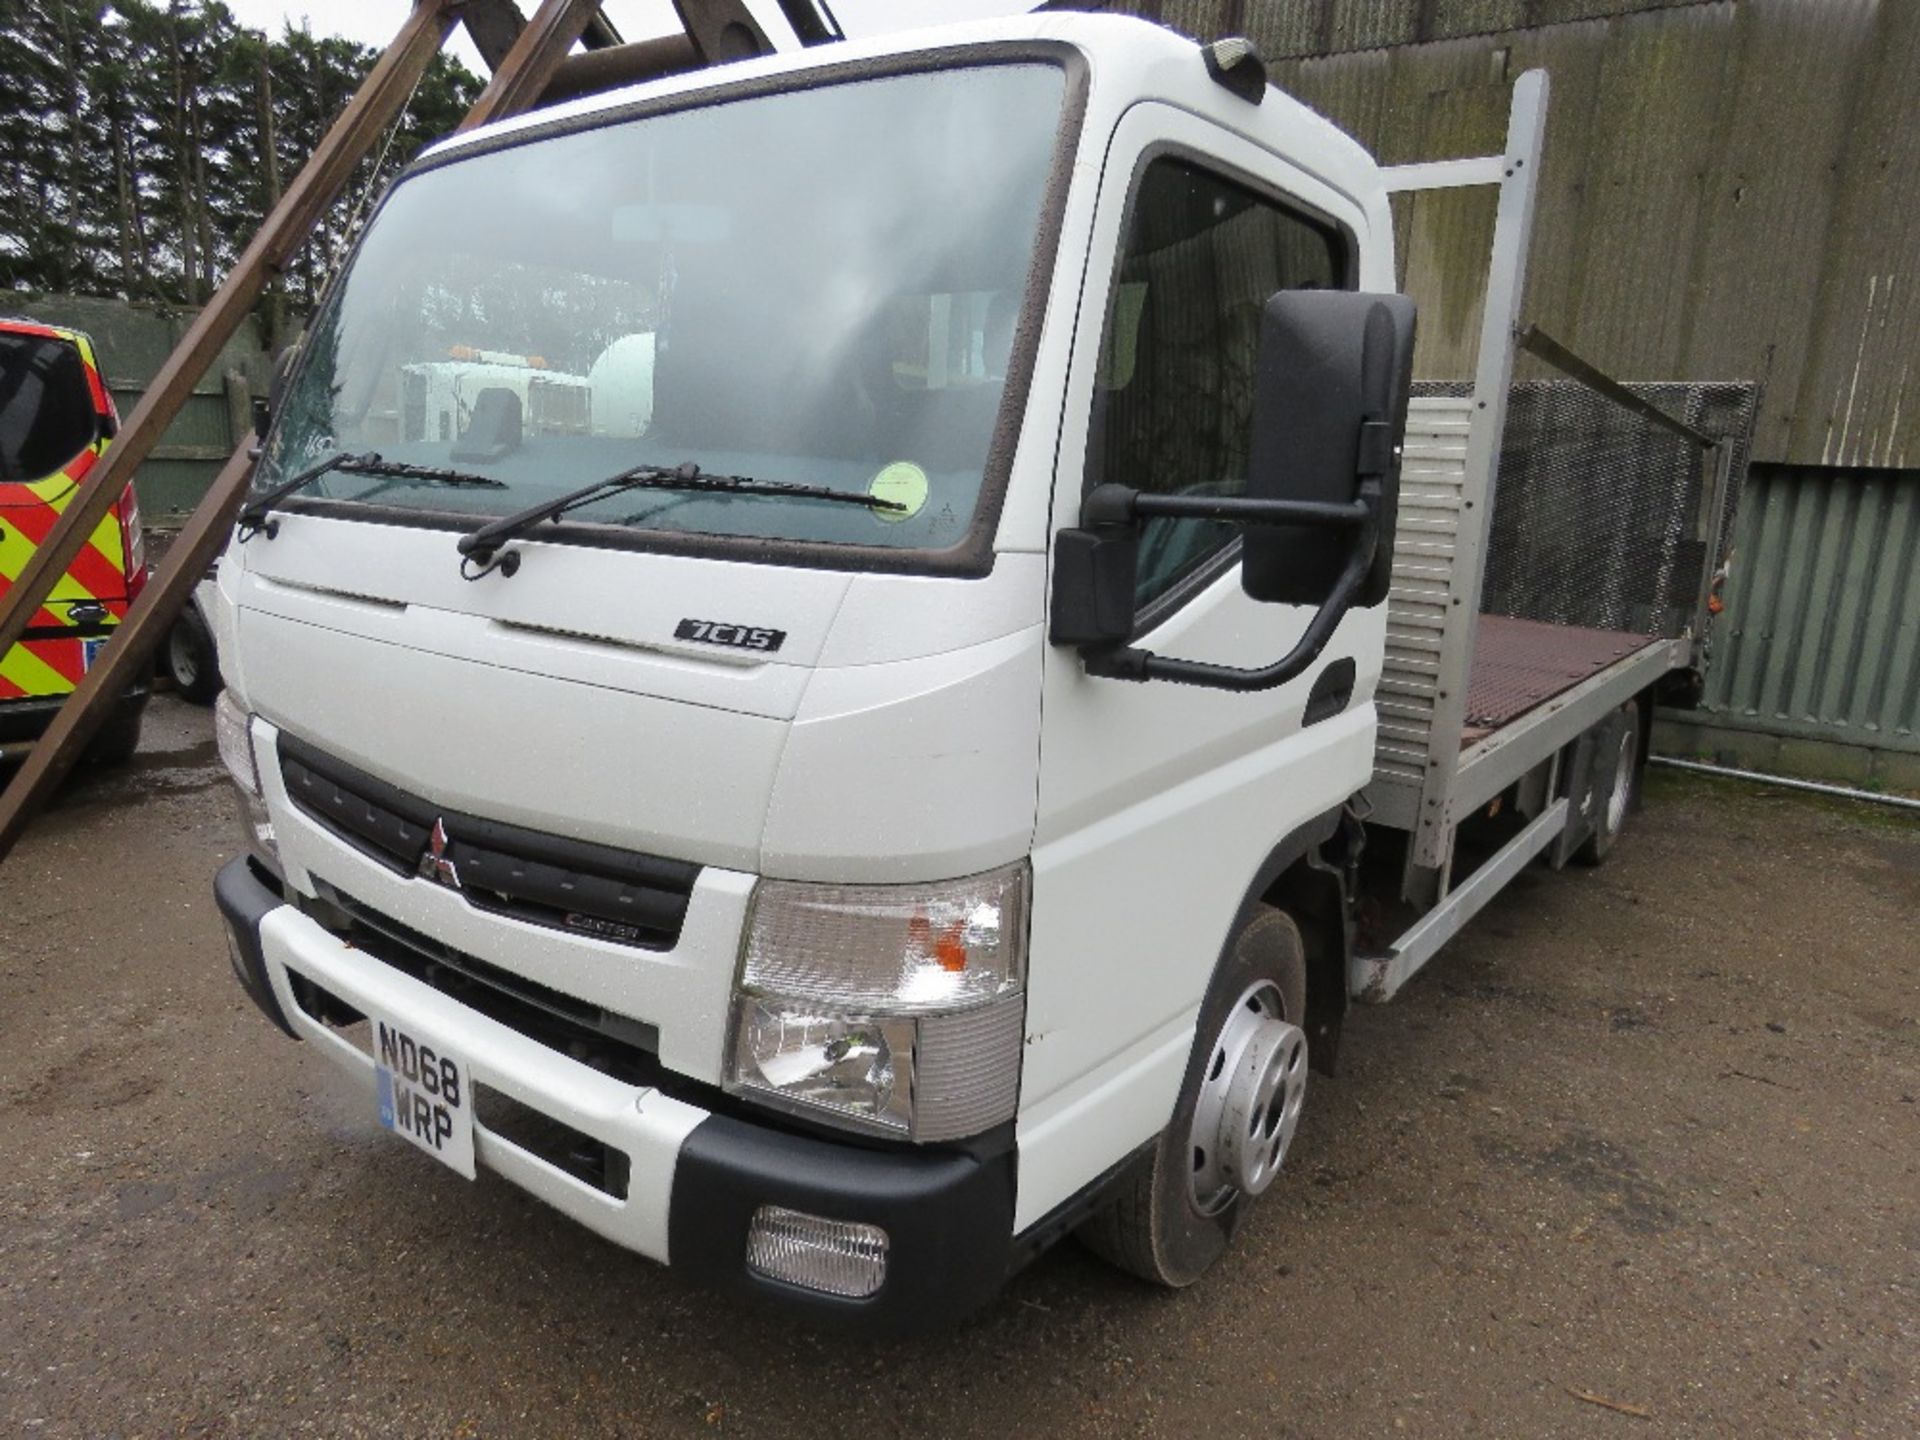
118, 739
1617, 795
1239, 1105
189, 659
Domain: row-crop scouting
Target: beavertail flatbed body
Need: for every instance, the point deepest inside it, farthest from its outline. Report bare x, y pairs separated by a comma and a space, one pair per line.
1483, 694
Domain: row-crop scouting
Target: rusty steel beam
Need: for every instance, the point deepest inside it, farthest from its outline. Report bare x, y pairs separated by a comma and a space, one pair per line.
379, 99
525, 72
630, 64
493, 26
531, 63
600, 33
722, 30
130, 656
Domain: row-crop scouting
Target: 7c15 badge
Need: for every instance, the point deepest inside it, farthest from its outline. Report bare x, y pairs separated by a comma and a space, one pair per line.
738, 637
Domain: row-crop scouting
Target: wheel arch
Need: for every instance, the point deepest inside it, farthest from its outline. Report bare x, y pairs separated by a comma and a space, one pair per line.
1305, 875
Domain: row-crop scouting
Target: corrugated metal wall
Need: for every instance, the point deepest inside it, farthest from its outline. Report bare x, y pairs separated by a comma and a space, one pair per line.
1821, 638
1731, 189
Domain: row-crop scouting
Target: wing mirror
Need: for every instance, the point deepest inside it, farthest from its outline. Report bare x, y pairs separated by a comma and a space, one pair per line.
1331, 382
1330, 412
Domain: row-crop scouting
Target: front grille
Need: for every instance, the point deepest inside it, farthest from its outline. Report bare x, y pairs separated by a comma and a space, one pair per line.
564, 884
615, 1045
591, 1161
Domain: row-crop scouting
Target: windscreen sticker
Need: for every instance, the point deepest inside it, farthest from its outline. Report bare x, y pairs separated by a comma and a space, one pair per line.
904, 483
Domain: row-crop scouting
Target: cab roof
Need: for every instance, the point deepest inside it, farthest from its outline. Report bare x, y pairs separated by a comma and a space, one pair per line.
1128, 59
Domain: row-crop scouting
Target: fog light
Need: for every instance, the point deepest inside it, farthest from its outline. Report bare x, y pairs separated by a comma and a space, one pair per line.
836, 1257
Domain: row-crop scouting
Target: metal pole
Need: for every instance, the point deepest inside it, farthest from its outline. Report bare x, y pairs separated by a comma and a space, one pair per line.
1718, 481
1492, 383
1538, 343
1817, 787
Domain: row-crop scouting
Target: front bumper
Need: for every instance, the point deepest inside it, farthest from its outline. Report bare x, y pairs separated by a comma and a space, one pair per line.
695, 1178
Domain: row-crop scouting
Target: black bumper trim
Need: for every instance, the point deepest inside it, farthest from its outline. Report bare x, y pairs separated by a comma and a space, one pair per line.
948, 1217
24, 721
245, 900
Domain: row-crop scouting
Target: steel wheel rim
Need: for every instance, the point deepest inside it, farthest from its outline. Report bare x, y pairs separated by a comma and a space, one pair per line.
1622, 785
1251, 1095
181, 659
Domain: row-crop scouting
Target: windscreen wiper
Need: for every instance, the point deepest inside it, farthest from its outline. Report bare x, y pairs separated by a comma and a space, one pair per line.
479, 546
747, 485
253, 519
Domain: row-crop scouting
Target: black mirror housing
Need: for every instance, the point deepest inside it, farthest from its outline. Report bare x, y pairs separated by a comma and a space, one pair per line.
1093, 583
1331, 384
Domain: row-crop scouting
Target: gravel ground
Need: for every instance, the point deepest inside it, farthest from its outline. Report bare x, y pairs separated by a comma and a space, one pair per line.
1639, 1156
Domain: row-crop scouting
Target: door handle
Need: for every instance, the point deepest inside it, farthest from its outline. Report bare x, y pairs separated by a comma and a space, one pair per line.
1332, 692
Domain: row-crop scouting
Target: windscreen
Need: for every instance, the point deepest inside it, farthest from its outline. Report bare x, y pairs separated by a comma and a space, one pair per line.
46, 407
814, 287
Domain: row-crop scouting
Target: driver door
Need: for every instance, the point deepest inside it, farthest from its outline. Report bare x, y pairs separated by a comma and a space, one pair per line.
1160, 802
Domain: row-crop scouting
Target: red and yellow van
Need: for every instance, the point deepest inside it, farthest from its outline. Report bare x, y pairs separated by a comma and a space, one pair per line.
56, 421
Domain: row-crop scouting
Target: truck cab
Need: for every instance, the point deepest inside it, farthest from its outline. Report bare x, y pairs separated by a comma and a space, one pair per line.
891, 804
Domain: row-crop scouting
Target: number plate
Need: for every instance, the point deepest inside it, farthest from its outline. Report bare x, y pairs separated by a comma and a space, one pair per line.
424, 1093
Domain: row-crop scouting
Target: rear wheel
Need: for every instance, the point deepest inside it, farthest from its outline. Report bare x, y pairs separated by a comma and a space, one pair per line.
1619, 793
190, 660
1239, 1106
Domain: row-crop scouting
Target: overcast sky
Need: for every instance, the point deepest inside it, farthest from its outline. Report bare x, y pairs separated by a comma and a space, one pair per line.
374, 22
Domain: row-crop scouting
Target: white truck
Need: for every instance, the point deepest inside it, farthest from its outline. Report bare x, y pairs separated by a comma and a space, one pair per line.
613, 398
939, 784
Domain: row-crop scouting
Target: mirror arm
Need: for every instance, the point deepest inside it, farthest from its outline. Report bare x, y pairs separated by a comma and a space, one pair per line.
1120, 505
1129, 663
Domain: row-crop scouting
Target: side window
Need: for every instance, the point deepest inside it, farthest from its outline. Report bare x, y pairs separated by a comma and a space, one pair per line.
46, 406
1173, 396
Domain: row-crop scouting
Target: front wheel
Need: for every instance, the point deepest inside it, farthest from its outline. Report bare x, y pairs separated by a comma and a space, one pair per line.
190, 660
1238, 1109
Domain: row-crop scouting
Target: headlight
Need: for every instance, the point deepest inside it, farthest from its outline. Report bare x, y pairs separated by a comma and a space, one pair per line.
233, 733
892, 1008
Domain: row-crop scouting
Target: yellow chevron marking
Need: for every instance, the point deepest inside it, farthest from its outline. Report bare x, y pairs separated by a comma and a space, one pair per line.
55, 490
32, 674
16, 550
106, 539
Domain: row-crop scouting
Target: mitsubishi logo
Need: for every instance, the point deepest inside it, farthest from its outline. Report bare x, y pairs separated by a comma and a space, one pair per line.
434, 865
